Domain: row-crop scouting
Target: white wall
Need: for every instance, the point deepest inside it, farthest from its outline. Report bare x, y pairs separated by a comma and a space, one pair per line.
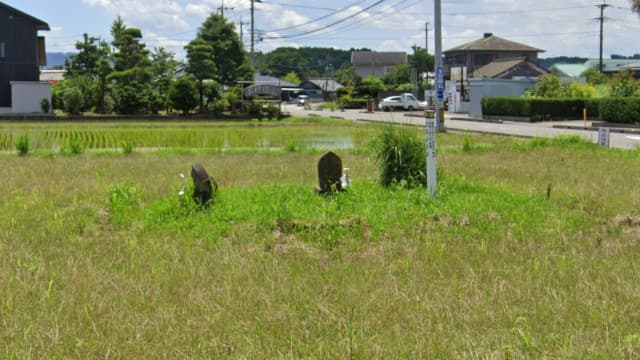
480, 88
26, 96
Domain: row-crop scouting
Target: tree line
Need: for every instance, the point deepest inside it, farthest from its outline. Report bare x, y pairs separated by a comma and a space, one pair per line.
125, 77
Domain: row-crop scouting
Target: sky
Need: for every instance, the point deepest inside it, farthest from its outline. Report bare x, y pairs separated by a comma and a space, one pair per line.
561, 28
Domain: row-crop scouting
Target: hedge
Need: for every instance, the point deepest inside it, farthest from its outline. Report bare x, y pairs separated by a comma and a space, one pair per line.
620, 110
537, 109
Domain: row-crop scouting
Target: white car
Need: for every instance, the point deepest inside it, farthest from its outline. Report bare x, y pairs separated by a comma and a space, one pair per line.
302, 99
404, 101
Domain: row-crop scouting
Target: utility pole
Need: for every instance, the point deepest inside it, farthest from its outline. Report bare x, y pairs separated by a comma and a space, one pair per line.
221, 8
253, 31
436, 121
601, 19
426, 47
242, 24
426, 43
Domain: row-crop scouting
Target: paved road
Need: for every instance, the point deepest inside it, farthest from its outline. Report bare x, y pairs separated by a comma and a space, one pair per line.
462, 122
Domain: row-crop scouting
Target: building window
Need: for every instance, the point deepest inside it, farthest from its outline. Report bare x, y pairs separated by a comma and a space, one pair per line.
2, 53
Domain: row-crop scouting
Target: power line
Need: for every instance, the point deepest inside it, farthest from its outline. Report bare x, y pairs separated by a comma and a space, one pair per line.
520, 11
347, 27
328, 26
318, 19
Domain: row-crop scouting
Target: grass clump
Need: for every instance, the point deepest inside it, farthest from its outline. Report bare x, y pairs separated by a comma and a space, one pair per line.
127, 146
22, 144
124, 202
401, 157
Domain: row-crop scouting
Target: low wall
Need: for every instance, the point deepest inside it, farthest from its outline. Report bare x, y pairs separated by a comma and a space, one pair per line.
27, 95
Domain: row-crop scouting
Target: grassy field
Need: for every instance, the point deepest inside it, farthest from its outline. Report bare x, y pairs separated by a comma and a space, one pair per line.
529, 251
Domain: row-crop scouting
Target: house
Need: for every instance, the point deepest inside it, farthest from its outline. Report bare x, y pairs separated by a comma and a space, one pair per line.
372, 63
489, 48
22, 52
53, 77
320, 88
611, 66
272, 86
510, 68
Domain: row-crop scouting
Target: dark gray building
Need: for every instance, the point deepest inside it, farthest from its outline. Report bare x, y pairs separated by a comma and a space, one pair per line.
490, 48
22, 51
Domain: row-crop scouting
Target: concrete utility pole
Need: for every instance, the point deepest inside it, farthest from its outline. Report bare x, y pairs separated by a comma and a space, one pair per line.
602, 19
438, 63
242, 24
426, 43
436, 121
222, 8
426, 47
253, 31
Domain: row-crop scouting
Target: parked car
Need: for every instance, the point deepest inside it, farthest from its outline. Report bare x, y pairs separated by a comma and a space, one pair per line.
302, 99
405, 101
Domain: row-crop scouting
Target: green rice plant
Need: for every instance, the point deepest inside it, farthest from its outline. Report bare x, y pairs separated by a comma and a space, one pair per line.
75, 146
466, 145
5, 141
401, 157
127, 146
22, 144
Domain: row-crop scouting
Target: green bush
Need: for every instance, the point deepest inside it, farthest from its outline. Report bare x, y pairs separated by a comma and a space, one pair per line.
401, 156
620, 110
183, 94
22, 144
45, 105
73, 101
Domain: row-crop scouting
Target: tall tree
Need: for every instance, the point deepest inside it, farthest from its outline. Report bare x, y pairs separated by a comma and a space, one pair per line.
422, 61
163, 71
132, 69
200, 64
90, 65
227, 53
635, 5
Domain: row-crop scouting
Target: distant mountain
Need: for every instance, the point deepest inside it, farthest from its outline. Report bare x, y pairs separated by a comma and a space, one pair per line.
57, 59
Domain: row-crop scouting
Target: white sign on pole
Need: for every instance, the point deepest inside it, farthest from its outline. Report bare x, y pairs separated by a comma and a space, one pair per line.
604, 134
432, 181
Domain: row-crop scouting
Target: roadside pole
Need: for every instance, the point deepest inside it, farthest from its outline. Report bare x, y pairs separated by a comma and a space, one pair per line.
436, 121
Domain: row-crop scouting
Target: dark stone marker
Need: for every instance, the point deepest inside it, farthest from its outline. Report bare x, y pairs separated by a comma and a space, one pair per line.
329, 173
203, 185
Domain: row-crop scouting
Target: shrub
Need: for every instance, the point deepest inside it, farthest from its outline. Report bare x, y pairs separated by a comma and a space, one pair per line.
45, 105
401, 156
131, 99
183, 94
22, 144
73, 101
620, 110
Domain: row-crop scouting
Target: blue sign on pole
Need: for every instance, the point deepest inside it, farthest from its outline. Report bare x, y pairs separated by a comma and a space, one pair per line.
440, 83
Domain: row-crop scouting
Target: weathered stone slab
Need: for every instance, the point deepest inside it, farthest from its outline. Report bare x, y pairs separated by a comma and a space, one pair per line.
203, 185
329, 174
